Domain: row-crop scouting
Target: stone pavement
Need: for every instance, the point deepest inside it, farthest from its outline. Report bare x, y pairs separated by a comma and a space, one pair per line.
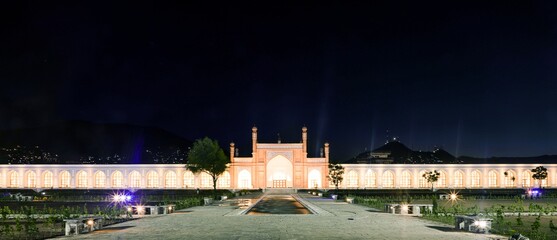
345, 221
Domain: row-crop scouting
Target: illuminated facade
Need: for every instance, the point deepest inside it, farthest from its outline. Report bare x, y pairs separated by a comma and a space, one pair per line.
272, 165
279, 165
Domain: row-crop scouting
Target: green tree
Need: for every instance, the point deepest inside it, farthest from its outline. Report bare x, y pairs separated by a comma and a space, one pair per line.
431, 177
336, 173
540, 173
207, 156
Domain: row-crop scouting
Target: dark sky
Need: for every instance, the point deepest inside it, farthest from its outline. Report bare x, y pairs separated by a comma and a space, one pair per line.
477, 78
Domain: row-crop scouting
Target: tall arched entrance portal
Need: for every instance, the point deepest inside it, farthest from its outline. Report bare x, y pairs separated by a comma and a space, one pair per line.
279, 172
278, 165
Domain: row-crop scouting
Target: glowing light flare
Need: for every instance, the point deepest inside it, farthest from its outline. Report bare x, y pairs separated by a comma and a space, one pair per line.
481, 224
120, 198
453, 197
90, 222
404, 207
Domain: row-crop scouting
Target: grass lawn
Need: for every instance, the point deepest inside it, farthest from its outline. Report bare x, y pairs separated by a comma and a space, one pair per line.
489, 203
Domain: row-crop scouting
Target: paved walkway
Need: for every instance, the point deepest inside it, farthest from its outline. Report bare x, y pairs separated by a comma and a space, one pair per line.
345, 221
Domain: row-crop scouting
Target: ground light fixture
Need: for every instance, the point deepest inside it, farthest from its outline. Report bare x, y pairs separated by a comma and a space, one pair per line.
121, 198
90, 222
453, 196
140, 209
481, 224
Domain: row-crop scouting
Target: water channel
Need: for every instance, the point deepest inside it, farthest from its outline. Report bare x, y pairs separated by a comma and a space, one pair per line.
278, 204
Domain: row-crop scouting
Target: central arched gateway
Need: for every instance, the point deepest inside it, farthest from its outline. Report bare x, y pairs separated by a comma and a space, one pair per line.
279, 172
278, 165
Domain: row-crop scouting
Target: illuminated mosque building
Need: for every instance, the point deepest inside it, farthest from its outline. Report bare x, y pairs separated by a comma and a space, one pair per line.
277, 165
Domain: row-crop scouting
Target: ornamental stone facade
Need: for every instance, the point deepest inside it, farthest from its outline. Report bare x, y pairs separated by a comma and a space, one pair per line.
272, 165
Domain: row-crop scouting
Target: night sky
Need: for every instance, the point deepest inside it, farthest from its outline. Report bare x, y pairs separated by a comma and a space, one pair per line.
476, 78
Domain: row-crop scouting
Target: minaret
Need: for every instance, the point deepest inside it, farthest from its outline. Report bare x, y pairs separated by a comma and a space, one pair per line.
253, 140
327, 152
305, 141
232, 150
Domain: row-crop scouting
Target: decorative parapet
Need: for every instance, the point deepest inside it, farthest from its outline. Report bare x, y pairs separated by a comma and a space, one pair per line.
317, 160
280, 146
237, 159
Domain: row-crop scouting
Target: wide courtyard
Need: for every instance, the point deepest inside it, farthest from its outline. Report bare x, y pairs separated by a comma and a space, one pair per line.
334, 220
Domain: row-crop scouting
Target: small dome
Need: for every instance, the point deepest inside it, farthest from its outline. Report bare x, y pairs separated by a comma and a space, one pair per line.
254, 129
304, 129
232, 144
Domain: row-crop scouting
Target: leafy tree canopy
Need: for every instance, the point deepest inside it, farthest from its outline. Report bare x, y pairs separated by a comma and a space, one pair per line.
207, 156
431, 177
540, 173
336, 173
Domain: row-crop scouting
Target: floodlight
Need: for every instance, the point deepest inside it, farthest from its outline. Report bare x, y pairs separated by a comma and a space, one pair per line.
481, 224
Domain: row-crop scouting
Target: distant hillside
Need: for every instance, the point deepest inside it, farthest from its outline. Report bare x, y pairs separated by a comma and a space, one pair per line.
85, 142
396, 152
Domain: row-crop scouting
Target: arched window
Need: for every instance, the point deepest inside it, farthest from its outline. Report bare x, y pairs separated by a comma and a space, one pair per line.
422, 183
458, 179
492, 179
189, 179
442, 181
510, 177
100, 179
352, 179
31, 179
47, 179
65, 178
406, 180
170, 180
526, 179
544, 181
118, 179
152, 179
135, 179
206, 180
476, 177
14, 179
388, 179
224, 180
370, 179
82, 179
244, 179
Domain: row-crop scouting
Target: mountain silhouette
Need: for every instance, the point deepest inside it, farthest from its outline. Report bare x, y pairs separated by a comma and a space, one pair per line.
74, 141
